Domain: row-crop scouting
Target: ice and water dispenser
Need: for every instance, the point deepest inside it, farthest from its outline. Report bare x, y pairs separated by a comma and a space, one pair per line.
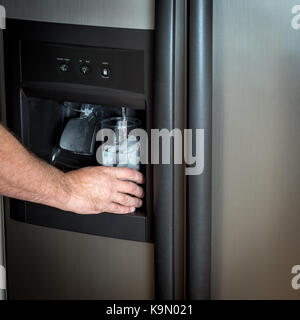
64, 85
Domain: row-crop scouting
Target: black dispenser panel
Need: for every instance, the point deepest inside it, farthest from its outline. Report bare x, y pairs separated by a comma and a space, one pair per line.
111, 68
52, 69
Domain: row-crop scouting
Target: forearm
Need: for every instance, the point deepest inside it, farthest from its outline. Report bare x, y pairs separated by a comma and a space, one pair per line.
24, 176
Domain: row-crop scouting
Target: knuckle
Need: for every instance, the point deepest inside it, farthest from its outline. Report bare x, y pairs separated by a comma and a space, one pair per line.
108, 188
134, 174
124, 210
114, 207
118, 209
109, 183
105, 178
126, 187
137, 176
127, 200
128, 172
132, 188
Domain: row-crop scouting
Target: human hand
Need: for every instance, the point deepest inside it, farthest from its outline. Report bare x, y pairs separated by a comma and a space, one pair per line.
95, 190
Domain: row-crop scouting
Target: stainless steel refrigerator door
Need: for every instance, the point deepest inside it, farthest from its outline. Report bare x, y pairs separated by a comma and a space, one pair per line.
136, 14
53, 264
2, 119
256, 139
47, 264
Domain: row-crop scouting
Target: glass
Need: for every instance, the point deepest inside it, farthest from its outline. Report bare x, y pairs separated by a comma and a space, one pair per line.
124, 150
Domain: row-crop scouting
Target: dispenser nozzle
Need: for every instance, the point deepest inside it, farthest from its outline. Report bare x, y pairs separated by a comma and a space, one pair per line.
123, 130
123, 113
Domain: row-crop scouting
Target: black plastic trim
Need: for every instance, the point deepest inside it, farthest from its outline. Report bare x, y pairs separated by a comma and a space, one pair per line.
128, 227
82, 93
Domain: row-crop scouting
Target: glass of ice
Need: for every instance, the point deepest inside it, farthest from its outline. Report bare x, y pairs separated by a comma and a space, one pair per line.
123, 148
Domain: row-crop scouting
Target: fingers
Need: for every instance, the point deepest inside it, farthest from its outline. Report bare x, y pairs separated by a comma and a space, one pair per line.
130, 188
119, 209
126, 194
127, 200
125, 174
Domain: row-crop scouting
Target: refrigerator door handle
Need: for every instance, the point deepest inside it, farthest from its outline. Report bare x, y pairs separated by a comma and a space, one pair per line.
169, 113
200, 117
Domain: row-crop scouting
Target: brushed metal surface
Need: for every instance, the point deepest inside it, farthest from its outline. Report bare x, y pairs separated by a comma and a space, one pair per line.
2, 119
256, 187
136, 14
58, 264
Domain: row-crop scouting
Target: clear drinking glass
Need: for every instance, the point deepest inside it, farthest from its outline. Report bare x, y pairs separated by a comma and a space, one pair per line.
124, 151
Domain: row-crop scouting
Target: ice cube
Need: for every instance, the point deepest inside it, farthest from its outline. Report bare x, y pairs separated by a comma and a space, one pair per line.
109, 156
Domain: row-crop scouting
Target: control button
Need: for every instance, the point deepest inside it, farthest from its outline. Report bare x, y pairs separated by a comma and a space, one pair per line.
64, 67
85, 69
105, 72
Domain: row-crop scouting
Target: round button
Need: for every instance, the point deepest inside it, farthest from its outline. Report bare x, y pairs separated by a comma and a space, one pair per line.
105, 72
64, 67
85, 69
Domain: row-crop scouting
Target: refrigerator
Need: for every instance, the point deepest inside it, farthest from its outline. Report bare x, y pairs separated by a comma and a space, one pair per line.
229, 68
